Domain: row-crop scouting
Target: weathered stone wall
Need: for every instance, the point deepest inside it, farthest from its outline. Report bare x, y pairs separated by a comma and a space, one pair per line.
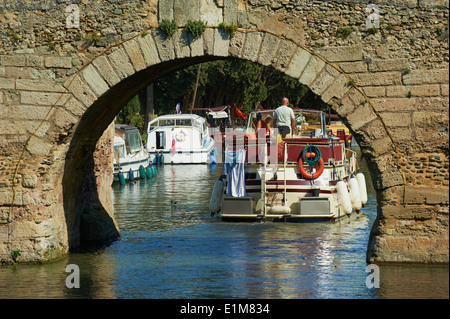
61, 185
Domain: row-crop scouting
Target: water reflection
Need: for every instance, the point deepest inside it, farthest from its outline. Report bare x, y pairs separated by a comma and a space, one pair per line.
180, 251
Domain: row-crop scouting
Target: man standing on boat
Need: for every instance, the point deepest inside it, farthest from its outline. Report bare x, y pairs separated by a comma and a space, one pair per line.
284, 119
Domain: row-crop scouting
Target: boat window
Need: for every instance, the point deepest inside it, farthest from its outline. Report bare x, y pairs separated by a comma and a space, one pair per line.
120, 149
184, 122
134, 142
168, 122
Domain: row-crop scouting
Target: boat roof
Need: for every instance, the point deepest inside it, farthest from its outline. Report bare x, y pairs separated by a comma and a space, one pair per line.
180, 116
125, 127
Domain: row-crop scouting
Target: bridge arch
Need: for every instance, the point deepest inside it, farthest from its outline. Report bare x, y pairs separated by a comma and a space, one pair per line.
103, 86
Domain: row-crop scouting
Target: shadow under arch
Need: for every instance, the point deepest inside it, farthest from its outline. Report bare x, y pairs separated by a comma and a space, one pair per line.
89, 222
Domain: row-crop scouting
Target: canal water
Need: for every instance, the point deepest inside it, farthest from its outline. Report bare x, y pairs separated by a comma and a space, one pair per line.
171, 247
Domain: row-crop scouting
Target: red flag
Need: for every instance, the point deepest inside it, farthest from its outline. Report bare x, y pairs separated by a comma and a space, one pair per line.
173, 147
239, 114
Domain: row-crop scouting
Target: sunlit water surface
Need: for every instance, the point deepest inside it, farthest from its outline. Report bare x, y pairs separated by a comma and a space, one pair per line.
180, 251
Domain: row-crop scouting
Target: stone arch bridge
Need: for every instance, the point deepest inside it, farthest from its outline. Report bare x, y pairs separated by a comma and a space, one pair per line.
62, 84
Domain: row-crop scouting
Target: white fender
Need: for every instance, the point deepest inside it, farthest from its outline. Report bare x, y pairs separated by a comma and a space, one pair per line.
355, 197
279, 210
362, 187
344, 197
216, 196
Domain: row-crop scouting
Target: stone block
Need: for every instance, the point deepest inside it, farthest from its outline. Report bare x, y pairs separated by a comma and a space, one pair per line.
221, 42
106, 70
181, 41
94, 80
417, 212
342, 53
149, 49
185, 10
29, 180
414, 90
337, 89
43, 98
237, 44
384, 171
58, 62
374, 91
444, 89
164, 44
252, 45
426, 77
6, 83
38, 147
380, 146
165, 10
208, 41
120, 63
75, 107
396, 119
323, 80
394, 104
64, 119
12, 60
34, 60
311, 71
18, 72
230, 11
429, 120
29, 112
298, 63
209, 12
379, 78
269, 48
196, 46
39, 85
284, 55
426, 195
389, 65
82, 91
135, 55
353, 67
374, 130
360, 117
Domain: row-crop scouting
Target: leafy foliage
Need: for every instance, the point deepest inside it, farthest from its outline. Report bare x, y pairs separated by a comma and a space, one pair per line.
168, 26
195, 27
229, 82
231, 28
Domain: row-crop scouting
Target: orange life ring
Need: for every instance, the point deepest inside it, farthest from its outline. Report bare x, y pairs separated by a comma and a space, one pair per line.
318, 172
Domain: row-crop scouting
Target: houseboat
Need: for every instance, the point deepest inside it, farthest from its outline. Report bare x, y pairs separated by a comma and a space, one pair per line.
179, 139
129, 153
310, 175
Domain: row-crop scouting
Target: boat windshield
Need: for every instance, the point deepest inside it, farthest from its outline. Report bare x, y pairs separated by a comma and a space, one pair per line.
134, 142
169, 122
309, 123
120, 149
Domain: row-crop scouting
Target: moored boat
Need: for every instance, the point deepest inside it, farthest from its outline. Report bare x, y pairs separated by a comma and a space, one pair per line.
130, 155
179, 139
308, 175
